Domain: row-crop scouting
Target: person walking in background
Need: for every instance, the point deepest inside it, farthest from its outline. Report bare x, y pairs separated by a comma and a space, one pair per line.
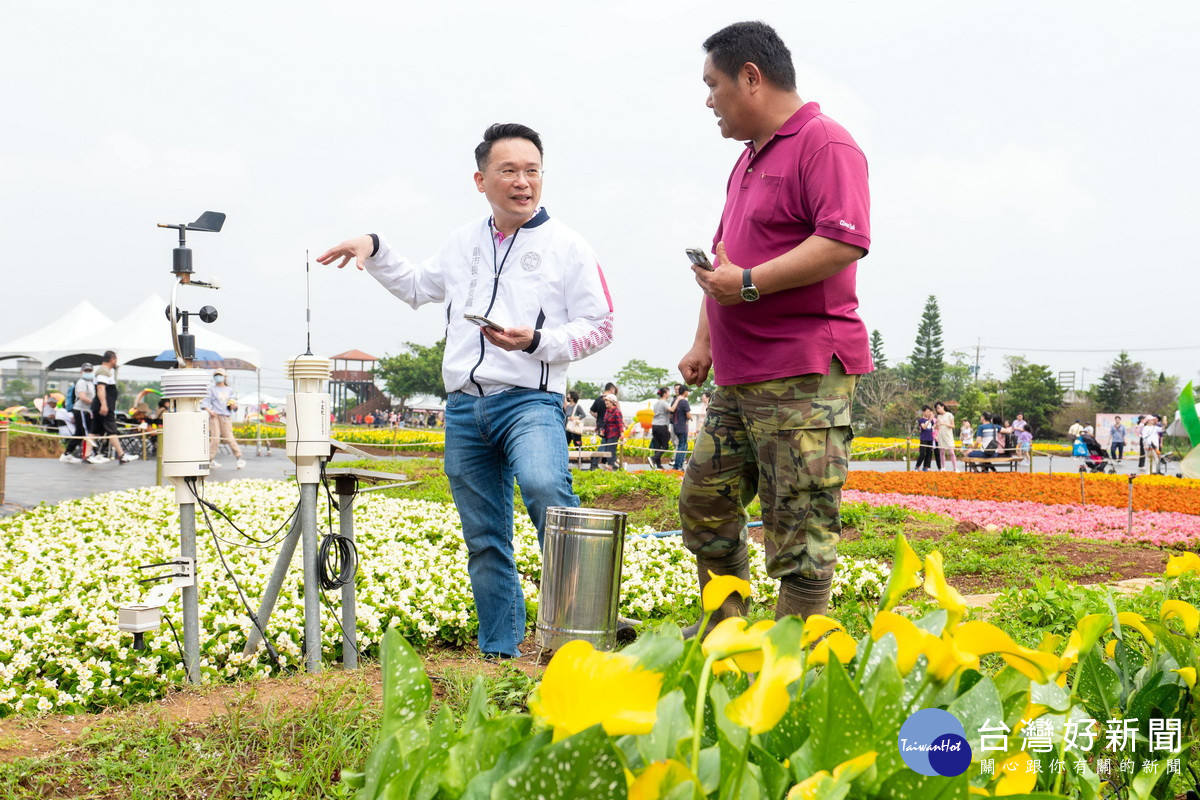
104, 409
612, 429
1025, 442
966, 435
1116, 439
681, 414
1137, 434
220, 403
597, 409
945, 435
780, 301
699, 412
926, 431
575, 415
1151, 440
81, 445
660, 428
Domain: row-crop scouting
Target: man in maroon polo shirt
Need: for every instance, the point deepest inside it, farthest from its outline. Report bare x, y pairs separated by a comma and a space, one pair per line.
779, 328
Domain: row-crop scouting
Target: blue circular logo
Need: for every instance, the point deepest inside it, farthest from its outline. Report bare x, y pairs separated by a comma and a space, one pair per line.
933, 742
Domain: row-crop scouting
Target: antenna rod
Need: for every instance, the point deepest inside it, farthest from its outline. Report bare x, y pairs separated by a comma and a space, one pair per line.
307, 307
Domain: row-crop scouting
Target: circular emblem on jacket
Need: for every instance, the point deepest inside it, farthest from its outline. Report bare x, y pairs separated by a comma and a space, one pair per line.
530, 262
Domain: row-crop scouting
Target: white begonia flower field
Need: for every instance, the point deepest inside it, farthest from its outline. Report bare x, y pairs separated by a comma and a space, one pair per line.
68, 567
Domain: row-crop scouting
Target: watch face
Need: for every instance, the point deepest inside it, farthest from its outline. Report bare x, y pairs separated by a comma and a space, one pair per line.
749, 294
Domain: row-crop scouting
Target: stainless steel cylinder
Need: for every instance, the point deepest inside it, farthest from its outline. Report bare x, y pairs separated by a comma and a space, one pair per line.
581, 577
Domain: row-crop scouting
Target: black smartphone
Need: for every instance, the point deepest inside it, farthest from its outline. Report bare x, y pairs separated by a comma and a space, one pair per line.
699, 258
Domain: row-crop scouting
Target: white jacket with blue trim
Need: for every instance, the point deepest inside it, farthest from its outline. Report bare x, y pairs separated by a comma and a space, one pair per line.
545, 276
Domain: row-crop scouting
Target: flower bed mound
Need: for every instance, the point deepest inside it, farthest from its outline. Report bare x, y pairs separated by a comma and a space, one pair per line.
1150, 493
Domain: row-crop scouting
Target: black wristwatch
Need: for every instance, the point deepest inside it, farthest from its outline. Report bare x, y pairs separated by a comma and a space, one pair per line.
749, 290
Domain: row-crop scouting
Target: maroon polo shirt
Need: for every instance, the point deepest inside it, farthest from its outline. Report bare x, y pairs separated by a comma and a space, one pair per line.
810, 178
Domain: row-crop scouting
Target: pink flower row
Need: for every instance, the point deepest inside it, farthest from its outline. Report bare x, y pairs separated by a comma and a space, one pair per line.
1164, 528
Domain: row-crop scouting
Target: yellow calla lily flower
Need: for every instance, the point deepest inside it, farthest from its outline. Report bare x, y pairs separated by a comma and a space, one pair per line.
946, 595
1184, 612
814, 787
980, 638
905, 567
621, 695
1137, 622
760, 707
946, 657
658, 779
1015, 776
1177, 565
840, 643
732, 639
1070, 656
1110, 648
1090, 629
719, 587
1188, 674
726, 665
909, 638
816, 626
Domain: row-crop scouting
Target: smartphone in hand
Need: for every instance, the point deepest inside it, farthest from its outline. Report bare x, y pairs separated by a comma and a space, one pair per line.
699, 258
483, 322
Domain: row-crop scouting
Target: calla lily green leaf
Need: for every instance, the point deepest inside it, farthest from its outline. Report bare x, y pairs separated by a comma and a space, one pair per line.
906, 565
946, 595
1184, 612
721, 586
621, 695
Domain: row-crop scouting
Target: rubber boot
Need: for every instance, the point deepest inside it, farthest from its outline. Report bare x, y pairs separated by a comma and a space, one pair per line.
802, 597
735, 605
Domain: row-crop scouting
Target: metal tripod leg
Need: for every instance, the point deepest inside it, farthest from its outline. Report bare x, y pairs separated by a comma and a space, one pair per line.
345, 493
271, 594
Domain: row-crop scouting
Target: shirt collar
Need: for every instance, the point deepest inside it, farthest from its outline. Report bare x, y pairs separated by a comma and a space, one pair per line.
793, 124
537, 219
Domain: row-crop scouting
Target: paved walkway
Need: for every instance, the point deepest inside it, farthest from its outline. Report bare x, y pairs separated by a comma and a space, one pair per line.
32, 481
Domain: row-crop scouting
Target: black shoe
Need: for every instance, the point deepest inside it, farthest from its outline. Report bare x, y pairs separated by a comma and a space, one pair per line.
499, 656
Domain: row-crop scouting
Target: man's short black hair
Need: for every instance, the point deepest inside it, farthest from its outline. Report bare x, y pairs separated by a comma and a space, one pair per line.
757, 42
504, 130
109, 355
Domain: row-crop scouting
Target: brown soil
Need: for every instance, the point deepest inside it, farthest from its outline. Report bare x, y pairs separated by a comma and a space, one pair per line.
20, 446
29, 737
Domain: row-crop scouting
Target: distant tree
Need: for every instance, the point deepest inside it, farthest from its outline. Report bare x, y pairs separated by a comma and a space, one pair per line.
1159, 395
1119, 385
585, 389
881, 404
877, 350
927, 356
637, 380
419, 371
19, 391
1033, 391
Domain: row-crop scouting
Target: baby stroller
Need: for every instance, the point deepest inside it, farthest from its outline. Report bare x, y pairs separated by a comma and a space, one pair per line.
1092, 457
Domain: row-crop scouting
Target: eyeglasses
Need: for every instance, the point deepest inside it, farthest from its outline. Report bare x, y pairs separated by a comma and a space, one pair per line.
510, 175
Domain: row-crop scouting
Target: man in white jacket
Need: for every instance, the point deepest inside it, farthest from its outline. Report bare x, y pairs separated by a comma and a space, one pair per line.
541, 283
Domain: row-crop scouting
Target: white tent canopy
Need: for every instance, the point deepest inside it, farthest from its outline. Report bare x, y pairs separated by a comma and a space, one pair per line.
47, 343
143, 333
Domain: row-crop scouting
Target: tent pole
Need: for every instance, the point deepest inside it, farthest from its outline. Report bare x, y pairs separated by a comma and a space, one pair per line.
259, 403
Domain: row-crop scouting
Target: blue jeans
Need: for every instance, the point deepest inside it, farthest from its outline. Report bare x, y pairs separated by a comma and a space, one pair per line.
489, 442
681, 447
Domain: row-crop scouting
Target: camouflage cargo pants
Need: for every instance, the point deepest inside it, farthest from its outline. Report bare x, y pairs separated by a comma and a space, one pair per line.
788, 441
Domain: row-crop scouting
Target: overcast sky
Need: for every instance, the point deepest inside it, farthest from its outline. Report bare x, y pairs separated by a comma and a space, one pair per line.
1032, 164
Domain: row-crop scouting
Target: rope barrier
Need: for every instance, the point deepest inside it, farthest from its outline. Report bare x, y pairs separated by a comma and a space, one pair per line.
127, 431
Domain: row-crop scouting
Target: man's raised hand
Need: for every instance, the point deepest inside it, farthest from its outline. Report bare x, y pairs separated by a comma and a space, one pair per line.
359, 248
